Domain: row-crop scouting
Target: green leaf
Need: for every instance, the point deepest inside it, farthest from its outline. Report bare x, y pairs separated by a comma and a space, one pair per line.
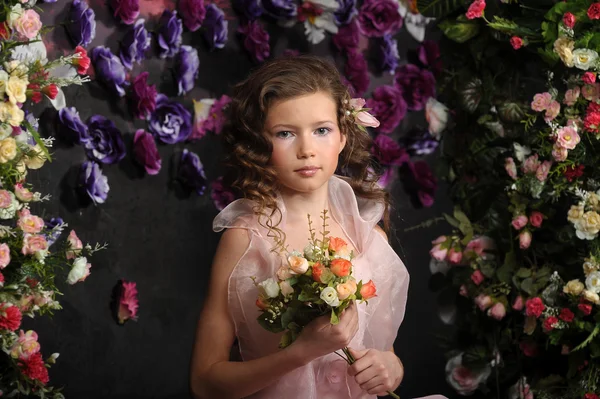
437, 8
487, 270
38, 140
334, 317
511, 28
460, 30
524, 272
527, 285
286, 340
588, 339
264, 321
288, 317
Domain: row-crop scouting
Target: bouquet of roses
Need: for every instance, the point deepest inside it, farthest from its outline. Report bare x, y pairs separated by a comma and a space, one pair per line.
311, 284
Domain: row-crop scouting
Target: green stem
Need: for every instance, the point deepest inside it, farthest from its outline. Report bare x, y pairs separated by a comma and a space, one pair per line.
350, 359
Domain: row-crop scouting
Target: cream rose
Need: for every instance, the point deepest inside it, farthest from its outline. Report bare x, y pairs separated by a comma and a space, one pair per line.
8, 149
592, 282
284, 272
11, 113
591, 297
564, 48
590, 265
329, 296
3, 80
37, 159
346, 289
269, 288
588, 225
573, 287
298, 264
16, 89
286, 288
575, 213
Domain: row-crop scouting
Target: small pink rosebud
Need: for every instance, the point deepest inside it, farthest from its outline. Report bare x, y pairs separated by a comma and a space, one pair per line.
525, 239
518, 304
477, 277
536, 218
519, 222
498, 311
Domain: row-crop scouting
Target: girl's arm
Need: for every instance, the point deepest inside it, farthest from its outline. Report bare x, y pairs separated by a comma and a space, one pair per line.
212, 374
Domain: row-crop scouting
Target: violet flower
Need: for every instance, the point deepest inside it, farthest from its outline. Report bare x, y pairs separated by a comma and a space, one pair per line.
191, 172
215, 27
388, 55
53, 235
388, 152
170, 122
388, 106
417, 85
192, 13
250, 9
126, 10
216, 118
256, 40
220, 195
109, 69
280, 9
378, 18
81, 23
93, 182
429, 55
145, 152
346, 12
71, 127
422, 144
106, 143
186, 69
134, 45
425, 182
169, 34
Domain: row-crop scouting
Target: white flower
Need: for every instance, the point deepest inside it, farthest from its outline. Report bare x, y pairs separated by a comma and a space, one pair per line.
592, 282
298, 264
269, 288
316, 25
464, 380
584, 58
30, 53
286, 288
436, 114
521, 151
80, 270
14, 14
329, 296
10, 211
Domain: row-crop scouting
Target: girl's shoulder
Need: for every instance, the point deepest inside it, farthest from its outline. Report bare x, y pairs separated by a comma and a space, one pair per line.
238, 214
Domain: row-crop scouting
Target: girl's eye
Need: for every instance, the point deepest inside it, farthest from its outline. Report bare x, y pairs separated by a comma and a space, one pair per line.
283, 135
323, 130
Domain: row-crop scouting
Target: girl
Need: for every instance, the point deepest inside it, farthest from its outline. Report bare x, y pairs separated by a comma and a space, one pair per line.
291, 128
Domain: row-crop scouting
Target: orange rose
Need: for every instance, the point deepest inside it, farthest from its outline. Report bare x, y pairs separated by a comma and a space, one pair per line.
368, 291
262, 305
335, 244
317, 271
341, 267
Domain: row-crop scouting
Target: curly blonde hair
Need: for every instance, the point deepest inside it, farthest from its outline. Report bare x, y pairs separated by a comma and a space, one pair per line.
248, 150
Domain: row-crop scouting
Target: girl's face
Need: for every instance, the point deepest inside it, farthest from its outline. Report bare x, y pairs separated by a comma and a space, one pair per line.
306, 140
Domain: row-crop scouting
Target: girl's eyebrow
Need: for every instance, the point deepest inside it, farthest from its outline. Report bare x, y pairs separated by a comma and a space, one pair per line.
284, 126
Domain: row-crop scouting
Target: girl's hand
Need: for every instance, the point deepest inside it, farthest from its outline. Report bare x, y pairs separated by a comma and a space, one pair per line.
375, 371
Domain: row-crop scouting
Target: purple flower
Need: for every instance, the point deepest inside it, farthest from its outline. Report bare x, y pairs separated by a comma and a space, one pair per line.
387, 177
379, 17
426, 183
356, 71
423, 144
105, 144
53, 235
135, 43
429, 55
143, 97
346, 12
71, 126
193, 13
215, 27
347, 37
256, 40
169, 34
416, 84
170, 122
126, 10
186, 69
220, 195
388, 152
191, 172
109, 69
145, 152
388, 106
216, 119
280, 9
94, 183
250, 9
388, 54
81, 23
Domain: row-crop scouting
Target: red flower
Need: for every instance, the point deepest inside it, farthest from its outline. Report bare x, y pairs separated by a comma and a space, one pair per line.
591, 396
4, 31
33, 367
516, 42
83, 62
476, 9
589, 78
529, 349
566, 315
585, 308
550, 323
1, 279
594, 11
33, 91
569, 20
10, 317
591, 122
534, 307
572, 173
51, 91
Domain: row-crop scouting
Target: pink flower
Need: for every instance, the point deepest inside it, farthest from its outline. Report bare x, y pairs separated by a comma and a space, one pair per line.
589, 77
511, 168
585, 308
30, 223
516, 42
534, 307
22, 193
476, 9
463, 379
571, 96
483, 301
569, 20
34, 245
437, 252
477, 277
128, 302
479, 246
6, 199
518, 303
4, 255
524, 239
26, 345
357, 103
536, 218
126, 10
541, 101
10, 317
216, 119
463, 291
567, 137
28, 25
552, 111
550, 323
454, 256
519, 222
75, 245
531, 164
1, 280
145, 152
498, 311
542, 172
34, 368
566, 315
591, 92
559, 153
363, 118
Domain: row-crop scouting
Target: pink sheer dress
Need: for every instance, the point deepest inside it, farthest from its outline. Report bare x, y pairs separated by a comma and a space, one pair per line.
325, 377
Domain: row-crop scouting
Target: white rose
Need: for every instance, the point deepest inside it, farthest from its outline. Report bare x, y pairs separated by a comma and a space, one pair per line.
329, 296
464, 380
298, 264
589, 266
269, 288
284, 272
591, 297
80, 270
10, 211
592, 282
584, 58
436, 114
286, 288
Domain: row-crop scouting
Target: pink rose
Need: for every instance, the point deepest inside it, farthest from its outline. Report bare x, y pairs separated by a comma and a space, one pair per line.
511, 168
357, 103
4, 255
498, 311
26, 345
552, 111
454, 256
33, 244
525, 239
534, 307
531, 164
477, 277
75, 245
518, 303
483, 301
591, 92
437, 252
569, 20
5, 199
479, 246
571, 96
464, 380
363, 118
126, 10
536, 218
284, 272
589, 77
567, 137
346, 289
28, 25
516, 42
559, 153
542, 172
519, 222
476, 9
22, 193
541, 101
30, 223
